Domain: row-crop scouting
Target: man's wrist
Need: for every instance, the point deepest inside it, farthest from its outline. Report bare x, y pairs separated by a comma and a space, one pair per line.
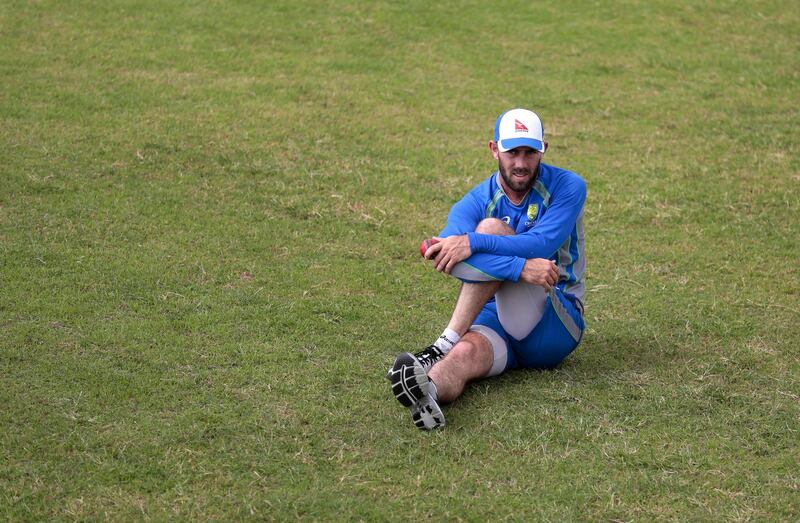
517, 266
473, 240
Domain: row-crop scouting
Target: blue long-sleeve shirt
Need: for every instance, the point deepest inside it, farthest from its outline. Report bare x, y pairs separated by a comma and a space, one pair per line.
548, 224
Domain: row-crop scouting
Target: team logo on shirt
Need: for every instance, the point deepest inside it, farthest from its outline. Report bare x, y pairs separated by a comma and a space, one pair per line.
519, 127
533, 210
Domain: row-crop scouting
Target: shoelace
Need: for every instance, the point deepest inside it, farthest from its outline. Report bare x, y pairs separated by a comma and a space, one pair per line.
428, 356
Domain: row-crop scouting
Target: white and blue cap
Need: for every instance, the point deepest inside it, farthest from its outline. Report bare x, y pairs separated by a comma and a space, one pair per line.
518, 128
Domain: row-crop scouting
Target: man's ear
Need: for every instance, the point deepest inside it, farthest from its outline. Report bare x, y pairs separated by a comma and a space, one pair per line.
546, 146
493, 148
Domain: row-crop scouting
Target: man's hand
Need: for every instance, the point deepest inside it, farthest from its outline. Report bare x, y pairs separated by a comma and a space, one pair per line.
448, 252
539, 271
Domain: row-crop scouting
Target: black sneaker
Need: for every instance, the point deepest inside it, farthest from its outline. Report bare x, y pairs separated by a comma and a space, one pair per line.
409, 379
426, 357
427, 414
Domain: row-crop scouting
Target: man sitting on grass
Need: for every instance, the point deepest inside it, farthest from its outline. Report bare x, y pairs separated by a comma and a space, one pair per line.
516, 243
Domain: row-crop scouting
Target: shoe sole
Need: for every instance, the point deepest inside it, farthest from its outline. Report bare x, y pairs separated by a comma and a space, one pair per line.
409, 379
427, 415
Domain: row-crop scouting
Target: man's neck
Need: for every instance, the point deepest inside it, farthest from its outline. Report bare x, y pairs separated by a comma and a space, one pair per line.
517, 197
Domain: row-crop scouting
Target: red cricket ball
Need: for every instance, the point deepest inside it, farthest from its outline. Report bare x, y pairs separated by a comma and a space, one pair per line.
425, 244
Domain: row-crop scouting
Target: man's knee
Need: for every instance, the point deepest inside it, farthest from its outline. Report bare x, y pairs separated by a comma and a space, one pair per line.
494, 226
474, 348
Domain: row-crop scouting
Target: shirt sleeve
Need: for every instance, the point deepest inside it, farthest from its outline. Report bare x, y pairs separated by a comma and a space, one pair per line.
464, 217
549, 233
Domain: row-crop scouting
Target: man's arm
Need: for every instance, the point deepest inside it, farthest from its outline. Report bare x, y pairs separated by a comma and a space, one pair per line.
464, 216
544, 239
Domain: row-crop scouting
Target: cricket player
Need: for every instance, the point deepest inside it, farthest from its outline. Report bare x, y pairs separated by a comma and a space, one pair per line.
516, 243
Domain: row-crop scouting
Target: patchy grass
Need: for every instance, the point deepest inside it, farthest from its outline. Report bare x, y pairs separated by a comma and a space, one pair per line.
208, 226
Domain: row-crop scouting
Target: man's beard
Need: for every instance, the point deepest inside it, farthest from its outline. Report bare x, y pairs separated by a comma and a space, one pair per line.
517, 185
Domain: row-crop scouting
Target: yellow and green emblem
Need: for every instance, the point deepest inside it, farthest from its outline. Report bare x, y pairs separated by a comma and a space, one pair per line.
533, 209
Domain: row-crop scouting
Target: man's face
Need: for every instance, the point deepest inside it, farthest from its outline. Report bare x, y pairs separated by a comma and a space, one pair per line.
518, 167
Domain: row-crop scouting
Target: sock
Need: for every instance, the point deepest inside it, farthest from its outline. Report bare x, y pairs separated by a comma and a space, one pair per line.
447, 340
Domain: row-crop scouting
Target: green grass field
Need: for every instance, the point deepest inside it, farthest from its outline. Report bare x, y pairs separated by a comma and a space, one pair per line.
209, 219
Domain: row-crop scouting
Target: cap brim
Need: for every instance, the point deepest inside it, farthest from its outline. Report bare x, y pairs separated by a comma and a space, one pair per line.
513, 143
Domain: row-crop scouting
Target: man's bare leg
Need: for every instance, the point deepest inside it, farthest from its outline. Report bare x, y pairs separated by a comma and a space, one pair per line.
471, 299
470, 359
473, 359
473, 296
